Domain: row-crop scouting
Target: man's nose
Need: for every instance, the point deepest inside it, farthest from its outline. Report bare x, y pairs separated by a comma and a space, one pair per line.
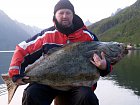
64, 15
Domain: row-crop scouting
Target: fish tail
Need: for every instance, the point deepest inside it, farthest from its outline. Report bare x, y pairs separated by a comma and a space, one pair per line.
11, 86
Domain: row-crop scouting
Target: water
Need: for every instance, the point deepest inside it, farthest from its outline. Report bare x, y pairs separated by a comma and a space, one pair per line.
121, 87
5, 57
127, 72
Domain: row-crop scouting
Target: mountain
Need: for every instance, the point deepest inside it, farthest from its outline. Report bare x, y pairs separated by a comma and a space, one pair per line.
118, 10
12, 32
124, 26
31, 30
87, 23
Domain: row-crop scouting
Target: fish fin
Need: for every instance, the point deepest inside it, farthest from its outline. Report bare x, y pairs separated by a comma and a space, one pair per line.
11, 86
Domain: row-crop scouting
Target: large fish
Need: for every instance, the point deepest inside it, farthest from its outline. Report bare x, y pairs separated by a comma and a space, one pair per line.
69, 66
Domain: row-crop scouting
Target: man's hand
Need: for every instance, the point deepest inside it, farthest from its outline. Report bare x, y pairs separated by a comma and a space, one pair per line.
20, 81
99, 62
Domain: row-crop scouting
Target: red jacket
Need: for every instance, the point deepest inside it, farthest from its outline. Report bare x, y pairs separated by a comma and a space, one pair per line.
27, 52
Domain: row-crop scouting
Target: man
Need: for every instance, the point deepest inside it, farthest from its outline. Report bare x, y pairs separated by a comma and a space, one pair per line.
68, 28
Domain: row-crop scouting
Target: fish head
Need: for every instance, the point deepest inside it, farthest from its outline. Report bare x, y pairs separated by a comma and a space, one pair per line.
114, 51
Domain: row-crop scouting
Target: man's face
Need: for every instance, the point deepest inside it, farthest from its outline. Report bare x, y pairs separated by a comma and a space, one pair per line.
64, 17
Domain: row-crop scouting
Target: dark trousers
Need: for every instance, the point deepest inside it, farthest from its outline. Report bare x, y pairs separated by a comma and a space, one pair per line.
37, 94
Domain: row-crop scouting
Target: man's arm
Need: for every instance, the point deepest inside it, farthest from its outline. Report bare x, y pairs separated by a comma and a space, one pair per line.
27, 52
104, 66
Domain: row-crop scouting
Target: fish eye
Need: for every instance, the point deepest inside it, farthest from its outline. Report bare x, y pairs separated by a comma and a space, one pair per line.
118, 45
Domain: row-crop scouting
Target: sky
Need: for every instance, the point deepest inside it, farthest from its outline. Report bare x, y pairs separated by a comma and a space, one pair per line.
40, 12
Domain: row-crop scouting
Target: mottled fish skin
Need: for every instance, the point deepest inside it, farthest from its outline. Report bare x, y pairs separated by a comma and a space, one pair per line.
69, 66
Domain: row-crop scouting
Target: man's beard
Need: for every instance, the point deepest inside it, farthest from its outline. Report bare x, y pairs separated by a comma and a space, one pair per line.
62, 28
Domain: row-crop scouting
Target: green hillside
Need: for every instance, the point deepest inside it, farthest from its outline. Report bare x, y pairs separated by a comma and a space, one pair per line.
122, 27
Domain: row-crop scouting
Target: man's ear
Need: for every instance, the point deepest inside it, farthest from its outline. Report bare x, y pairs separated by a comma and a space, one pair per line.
54, 19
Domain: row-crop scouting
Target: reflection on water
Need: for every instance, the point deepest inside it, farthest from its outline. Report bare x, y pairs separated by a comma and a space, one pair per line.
109, 93
127, 72
5, 58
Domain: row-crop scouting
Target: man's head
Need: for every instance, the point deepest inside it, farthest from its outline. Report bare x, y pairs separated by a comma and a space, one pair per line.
63, 13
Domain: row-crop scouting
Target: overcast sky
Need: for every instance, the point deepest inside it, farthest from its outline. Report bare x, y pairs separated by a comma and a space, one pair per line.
40, 12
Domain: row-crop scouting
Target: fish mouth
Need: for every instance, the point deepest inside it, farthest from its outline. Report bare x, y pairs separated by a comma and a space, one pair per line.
120, 56
116, 60
126, 51
125, 48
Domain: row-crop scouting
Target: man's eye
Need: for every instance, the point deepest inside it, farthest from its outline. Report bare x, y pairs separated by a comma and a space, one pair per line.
68, 13
61, 13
